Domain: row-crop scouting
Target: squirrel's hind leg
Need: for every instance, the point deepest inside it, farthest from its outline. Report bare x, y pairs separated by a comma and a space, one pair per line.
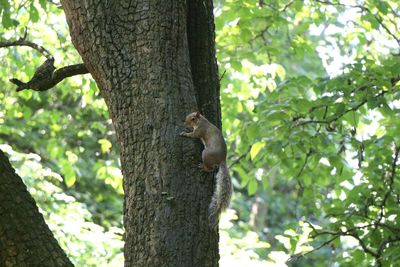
208, 164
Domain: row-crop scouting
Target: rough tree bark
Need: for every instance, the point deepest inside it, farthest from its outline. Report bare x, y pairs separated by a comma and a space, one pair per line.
25, 239
154, 62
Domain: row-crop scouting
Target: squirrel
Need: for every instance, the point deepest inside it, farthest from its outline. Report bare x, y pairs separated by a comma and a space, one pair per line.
214, 154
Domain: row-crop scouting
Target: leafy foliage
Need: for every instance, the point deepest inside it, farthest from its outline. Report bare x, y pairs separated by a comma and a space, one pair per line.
314, 87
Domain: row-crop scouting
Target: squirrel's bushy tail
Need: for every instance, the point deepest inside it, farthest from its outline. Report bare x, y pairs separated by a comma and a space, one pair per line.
222, 195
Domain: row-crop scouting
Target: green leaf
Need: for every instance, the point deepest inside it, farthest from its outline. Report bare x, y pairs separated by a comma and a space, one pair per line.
264, 182
302, 105
7, 21
307, 179
69, 174
4, 4
280, 70
252, 187
245, 35
33, 13
27, 113
340, 107
244, 176
72, 157
253, 131
236, 65
383, 7
105, 145
276, 115
372, 20
255, 149
43, 3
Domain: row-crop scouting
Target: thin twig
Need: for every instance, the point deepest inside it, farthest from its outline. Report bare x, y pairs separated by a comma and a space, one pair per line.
287, 6
304, 164
341, 114
366, 9
349, 232
238, 159
222, 76
23, 42
300, 255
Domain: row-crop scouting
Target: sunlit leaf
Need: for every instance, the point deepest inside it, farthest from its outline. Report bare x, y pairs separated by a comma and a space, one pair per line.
255, 149
105, 145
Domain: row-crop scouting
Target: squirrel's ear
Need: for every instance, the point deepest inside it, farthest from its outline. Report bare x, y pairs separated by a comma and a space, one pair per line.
198, 114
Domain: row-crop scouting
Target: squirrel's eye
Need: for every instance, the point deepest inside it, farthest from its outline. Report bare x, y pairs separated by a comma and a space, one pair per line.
193, 119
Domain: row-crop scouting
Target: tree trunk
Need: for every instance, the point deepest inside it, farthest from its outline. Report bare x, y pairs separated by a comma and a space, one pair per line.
25, 239
152, 70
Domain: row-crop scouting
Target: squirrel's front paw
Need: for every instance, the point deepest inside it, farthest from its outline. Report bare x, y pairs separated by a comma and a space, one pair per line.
183, 133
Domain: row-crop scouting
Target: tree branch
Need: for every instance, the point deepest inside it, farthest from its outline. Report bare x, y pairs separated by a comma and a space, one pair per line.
391, 181
23, 42
46, 75
366, 9
287, 6
393, 81
295, 257
309, 153
330, 120
349, 232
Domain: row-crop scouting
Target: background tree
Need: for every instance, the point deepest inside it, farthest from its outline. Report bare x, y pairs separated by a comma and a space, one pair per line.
25, 239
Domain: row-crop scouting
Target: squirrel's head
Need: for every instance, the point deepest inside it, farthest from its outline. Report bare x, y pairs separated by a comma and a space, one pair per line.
192, 120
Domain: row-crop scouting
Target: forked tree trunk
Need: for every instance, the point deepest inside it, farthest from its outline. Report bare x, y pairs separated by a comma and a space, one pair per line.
25, 238
154, 62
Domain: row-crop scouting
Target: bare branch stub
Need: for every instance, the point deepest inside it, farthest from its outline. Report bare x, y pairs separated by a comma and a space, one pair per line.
46, 75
